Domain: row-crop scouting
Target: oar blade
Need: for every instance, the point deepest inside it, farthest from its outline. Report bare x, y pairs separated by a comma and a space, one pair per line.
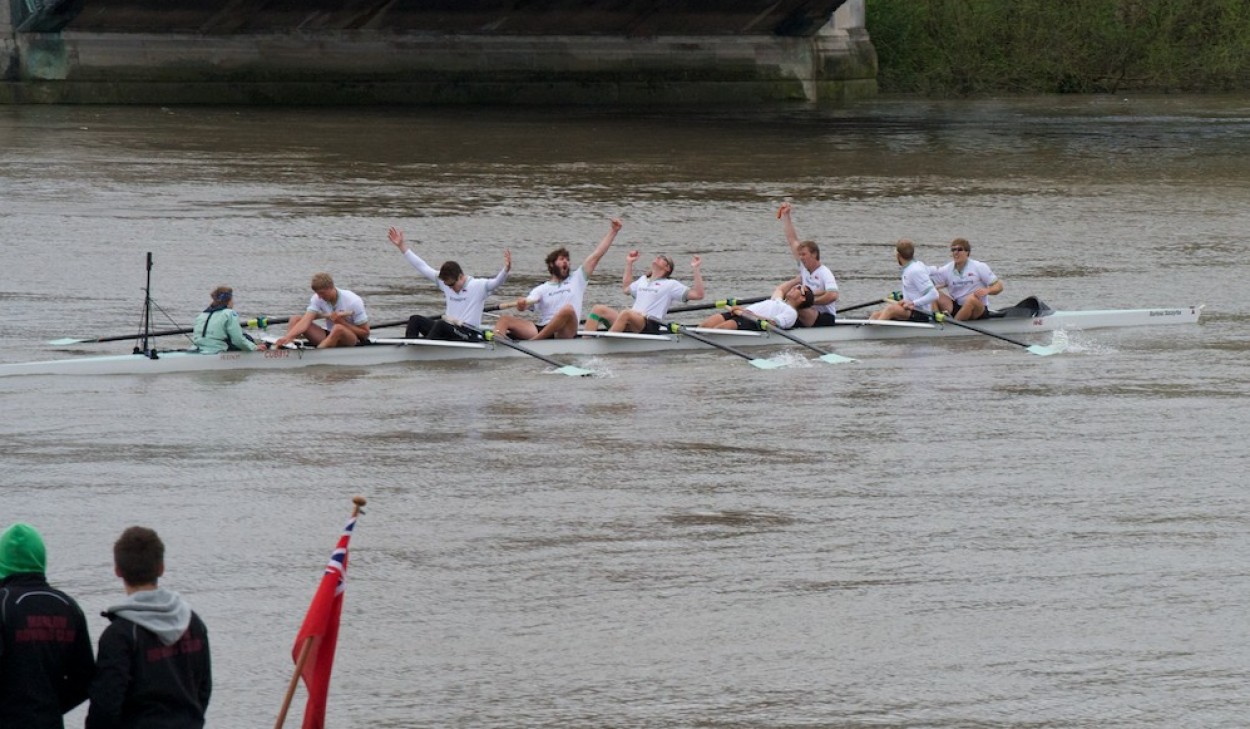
68, 341
766, 364
833, 358
1058, 343
573, 371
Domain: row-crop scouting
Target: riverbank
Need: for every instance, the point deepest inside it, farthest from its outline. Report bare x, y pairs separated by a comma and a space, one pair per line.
952, 48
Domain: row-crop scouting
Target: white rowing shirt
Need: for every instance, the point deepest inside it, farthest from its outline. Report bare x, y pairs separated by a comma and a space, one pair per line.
918, 287
466, 304
551, 296
961, 284
819, 281
347, 301
653, 298
777, 310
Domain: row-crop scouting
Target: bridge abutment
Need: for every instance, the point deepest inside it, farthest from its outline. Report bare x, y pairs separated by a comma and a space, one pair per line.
104, 61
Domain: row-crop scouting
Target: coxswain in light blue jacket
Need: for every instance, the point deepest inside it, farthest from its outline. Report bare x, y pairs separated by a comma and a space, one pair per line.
217, 328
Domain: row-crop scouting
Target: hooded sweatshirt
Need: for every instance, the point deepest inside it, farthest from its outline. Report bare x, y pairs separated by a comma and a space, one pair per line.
153, 669
22, 550
45, 652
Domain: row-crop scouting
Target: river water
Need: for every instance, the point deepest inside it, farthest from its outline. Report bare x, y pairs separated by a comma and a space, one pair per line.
941, 534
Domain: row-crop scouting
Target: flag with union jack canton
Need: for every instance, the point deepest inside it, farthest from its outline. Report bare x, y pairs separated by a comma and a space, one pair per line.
321, 624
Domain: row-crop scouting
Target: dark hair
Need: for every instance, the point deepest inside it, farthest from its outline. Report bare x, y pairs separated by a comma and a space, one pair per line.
450, 271
808, 297
551, 259
222, 295
139, 555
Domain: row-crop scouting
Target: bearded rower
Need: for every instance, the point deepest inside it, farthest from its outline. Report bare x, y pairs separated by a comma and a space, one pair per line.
558, 302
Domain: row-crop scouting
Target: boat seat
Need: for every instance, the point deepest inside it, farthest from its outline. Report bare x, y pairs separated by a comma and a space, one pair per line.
1026, 308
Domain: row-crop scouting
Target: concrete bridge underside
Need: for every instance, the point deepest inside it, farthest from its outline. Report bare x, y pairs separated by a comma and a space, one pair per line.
433, 51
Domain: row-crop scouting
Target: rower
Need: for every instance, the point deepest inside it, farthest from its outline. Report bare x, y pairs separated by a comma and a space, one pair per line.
781, 311
813, 274
969, 284
346, 323
217, 328
465, 296
653, 292
916, 300
558, 301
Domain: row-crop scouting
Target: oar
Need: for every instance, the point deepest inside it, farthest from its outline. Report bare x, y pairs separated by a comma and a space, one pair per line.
562, 368
401, 322
719, 304
1055, 347
260, 322
874, 302
825, 356
763, 364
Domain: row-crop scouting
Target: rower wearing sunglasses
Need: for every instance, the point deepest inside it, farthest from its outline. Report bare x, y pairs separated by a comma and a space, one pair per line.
969, 284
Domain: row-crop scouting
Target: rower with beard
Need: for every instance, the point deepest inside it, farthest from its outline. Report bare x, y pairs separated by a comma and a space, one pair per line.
465, 296
653, 292
558, 302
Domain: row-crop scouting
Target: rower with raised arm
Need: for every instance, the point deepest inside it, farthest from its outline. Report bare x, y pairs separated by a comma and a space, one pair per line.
217, 328
465, 296
653, 292
813, 274
346, 323
969, 284
557, 302
915, 302
781, 311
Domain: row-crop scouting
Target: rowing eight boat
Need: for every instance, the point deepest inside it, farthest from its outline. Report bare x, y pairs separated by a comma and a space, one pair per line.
389, 351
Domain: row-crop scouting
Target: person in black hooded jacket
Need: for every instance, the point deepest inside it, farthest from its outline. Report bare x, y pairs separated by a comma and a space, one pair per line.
153, 669
45, 652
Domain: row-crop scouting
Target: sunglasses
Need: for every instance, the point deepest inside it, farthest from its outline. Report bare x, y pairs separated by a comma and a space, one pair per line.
957, 250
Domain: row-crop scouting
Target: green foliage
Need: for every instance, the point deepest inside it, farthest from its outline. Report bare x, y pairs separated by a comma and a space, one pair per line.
945, 47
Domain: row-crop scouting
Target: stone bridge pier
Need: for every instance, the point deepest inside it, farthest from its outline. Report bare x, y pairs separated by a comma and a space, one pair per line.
434, 51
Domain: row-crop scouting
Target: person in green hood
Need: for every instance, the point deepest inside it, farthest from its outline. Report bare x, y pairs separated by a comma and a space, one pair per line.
45, 652
217, 328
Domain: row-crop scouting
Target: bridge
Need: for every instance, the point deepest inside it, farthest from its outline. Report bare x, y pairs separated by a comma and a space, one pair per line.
434, 51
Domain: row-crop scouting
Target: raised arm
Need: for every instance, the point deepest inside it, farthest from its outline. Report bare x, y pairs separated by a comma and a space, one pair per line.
792, 236
696, 291
502, 276
588, 266
396, 237
784, 288
628, 277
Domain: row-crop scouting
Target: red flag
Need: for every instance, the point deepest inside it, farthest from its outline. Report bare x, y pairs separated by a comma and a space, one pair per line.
321, 624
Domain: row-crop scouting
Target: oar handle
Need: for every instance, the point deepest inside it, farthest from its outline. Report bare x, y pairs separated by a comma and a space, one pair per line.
718, 304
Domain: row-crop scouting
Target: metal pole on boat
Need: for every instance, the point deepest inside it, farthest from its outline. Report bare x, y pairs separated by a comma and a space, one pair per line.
147, 349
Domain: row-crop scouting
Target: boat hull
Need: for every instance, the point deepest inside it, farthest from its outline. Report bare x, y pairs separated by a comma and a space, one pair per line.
590, 346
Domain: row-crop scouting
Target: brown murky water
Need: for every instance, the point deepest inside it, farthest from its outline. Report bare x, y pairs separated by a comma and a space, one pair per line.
942, 534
